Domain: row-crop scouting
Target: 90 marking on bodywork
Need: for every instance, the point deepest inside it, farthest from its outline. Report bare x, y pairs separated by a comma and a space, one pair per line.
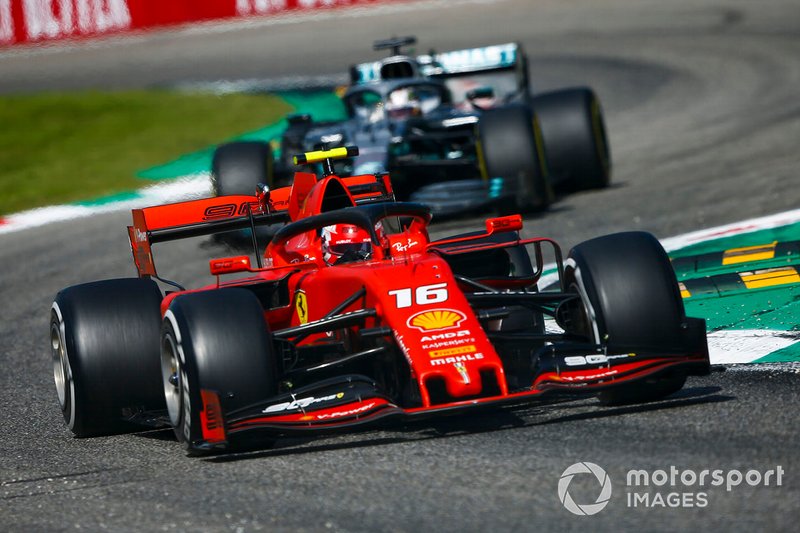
230, 210
423, 295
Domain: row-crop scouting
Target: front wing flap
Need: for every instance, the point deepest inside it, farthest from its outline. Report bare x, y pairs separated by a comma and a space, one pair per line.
353, 401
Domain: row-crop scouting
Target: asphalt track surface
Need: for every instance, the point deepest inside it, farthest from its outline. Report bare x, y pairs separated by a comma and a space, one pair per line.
703, 114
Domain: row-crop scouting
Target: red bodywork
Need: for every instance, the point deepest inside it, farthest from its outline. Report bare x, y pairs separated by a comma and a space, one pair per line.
411, 292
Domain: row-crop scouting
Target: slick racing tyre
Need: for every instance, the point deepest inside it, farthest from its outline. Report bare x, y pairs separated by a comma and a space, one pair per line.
628, 290
511, 149
238, 167
293, 143
630, 300
104, 339
214, 341
575, 138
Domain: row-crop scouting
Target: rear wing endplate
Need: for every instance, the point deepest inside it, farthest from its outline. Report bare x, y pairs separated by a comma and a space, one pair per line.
194, 218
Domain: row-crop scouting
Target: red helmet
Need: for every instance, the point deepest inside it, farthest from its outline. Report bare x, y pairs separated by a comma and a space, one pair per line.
340, 239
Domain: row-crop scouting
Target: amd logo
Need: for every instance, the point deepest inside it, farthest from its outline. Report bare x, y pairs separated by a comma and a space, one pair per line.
444, 336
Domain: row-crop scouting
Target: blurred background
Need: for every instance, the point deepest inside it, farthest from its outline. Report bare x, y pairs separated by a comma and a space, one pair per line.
109, 104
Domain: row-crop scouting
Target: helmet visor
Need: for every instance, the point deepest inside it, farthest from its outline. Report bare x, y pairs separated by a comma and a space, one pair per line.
362, 248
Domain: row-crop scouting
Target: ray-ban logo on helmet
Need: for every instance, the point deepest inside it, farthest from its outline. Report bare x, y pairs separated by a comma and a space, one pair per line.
585, 509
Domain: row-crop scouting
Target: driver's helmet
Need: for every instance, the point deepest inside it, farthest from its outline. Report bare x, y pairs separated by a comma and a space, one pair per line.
339, 239
403, 102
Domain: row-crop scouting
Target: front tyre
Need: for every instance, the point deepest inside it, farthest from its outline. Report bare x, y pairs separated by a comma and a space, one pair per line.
238, 167
104, 341
214, 341
629, 291
648, 390
510, 150
630, 301
575, 138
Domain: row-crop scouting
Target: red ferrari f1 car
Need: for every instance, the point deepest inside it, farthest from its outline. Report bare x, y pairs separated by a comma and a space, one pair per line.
352, 315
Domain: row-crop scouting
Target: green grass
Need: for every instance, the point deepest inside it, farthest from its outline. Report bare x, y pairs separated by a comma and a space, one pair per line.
63, 147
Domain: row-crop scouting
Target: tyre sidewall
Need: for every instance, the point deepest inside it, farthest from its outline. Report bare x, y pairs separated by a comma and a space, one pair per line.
575, 139
511, 148
108, 329
185, 416
238, 167
629, 290
223, 345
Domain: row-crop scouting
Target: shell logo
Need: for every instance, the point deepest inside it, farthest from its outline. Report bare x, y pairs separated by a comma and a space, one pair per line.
436, 319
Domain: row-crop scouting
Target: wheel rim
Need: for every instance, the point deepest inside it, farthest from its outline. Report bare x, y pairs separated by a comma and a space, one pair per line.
170, 373
61, 374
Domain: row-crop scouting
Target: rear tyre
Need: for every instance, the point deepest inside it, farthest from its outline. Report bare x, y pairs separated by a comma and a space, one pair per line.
631, 301
238, 167
511, 148
574, 132
104, 340
216, 341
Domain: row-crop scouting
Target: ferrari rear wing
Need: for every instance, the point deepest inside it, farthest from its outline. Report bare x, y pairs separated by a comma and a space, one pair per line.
209, 216
194, 218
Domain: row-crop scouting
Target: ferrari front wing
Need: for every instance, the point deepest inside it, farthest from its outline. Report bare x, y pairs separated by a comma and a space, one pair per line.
354, 401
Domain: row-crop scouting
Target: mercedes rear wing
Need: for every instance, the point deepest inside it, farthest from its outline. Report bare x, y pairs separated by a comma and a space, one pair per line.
504, 67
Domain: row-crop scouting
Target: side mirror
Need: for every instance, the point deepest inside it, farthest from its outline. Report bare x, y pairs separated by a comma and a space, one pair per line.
262, 193
229, 265
504, 224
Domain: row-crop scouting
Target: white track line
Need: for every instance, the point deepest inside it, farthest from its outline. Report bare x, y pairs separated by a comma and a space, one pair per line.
746, 345
187, 188
728, 230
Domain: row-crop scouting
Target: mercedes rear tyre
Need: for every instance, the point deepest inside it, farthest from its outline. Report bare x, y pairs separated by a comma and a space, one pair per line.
104, 340
511, 157
629, 301
238, 167
575, 140
293, 143
218, 342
